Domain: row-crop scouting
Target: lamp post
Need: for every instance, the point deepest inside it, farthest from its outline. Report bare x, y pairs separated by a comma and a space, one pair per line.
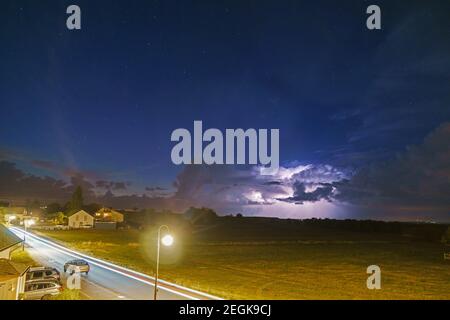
167, 240
26, 223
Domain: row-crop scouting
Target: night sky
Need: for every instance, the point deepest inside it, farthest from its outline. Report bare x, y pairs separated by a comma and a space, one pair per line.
363, 115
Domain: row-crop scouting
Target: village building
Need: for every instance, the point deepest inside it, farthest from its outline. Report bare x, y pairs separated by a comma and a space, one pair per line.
108, 215
80, 220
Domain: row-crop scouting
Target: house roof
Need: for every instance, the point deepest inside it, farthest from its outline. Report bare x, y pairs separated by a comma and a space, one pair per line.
7, 238
108, 210
10, 270
80, 211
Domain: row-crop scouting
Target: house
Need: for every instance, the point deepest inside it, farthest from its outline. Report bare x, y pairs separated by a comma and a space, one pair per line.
108, 215
12, 275
81, 219
17, 213
8, 242
12, 279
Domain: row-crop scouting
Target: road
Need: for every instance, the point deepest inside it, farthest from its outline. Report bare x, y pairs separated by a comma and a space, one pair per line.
106, 281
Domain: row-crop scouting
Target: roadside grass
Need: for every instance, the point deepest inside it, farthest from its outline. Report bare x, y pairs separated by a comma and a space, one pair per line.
287, 263
21, 256
68, 294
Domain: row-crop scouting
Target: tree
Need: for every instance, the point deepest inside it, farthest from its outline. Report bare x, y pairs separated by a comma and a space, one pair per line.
32, 204
446, 236
92, 208
76, 203
60, 218
53, 208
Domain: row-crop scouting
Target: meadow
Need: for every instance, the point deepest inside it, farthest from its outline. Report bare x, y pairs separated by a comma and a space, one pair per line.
260, 259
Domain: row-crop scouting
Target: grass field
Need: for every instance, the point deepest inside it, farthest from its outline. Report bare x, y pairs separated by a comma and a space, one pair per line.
260, 260
23, 257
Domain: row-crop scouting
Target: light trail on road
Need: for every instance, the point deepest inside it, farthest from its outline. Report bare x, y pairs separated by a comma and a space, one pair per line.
173, 291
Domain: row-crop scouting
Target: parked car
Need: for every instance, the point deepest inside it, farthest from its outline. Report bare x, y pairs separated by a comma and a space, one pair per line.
82, 265
42, 273
41, 290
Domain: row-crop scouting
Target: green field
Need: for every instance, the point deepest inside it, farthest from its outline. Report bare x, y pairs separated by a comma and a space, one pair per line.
252, 259
23, 257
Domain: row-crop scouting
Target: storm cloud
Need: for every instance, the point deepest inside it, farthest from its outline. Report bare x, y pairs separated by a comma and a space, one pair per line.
15, 183
416, 182
420, 176
226, 187
323, 192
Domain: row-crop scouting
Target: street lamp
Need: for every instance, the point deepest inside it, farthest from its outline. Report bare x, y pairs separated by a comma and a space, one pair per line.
27, 223
167, 240
11, 218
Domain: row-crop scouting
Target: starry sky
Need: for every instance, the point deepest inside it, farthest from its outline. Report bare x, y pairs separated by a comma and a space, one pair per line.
363, 114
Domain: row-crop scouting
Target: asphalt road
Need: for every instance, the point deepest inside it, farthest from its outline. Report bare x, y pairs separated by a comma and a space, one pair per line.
106, 281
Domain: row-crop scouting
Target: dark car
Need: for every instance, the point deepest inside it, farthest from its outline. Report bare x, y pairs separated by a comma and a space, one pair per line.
78, 264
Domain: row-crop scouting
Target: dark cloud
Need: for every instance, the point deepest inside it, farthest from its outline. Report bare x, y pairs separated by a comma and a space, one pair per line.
320, 173
225, 187
273, 183
15, 183
51, 167
111, 185
323, 192
119, 186
418, 177
152, 189
414, 183
405, 98
102, 184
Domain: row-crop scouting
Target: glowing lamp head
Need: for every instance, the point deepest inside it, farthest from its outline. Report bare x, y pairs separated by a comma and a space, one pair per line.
29, 222
167, 240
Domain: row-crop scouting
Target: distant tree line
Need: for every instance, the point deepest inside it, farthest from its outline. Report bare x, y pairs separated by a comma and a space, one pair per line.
419, 231
192, 216
205, 216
